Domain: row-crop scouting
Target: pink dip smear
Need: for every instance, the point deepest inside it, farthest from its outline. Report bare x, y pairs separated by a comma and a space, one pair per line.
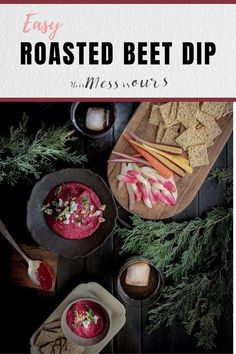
73, 210
86, 318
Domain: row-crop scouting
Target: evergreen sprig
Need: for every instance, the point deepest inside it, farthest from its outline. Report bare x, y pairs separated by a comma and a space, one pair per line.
222, 175
24, 156
196, 258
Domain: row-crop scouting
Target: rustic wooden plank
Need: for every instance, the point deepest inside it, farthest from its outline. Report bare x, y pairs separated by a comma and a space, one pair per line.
128, 340
98, 264
156, 341
71, 272
208, 197
230, 151
187, 186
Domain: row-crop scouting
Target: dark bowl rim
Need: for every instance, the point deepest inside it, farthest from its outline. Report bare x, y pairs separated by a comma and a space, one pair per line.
47, 247
97, 136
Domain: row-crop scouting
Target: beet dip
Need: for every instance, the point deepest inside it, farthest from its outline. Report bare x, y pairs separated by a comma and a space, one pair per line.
44, 276
73, 210
86, 318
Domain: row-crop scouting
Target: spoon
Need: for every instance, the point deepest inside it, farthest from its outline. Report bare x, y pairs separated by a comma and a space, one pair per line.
39, 272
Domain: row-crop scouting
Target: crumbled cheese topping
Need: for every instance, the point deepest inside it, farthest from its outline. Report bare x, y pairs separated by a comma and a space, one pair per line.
85, 319
62, 210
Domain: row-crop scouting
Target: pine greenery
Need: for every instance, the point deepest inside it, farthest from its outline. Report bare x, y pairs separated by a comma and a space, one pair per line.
196, 257
224, 175
24, 156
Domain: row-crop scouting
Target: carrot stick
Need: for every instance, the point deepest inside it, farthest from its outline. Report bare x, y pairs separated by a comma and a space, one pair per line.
163, 147
162, 159
158, 166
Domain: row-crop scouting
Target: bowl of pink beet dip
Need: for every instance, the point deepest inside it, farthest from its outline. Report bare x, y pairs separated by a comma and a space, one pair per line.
85, 322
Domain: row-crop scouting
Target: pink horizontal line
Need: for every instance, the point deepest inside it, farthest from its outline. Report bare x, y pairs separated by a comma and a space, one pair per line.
114, 99
114, 2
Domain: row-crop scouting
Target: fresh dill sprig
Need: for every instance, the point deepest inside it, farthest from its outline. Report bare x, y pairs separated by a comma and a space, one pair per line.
24, 156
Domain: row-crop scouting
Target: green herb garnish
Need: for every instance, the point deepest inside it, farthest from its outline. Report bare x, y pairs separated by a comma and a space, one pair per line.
55, 203
85, 200
90, 314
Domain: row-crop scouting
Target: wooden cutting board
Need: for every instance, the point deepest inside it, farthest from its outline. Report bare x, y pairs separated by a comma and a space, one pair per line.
18, 266
187, 186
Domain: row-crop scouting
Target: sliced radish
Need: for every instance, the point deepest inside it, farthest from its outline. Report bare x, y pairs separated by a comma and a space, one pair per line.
137, 193
169, 197
123, 170
146, 195
156, 185
126, 179
159, 196
132, 158
131, 196
169, 183
175, 193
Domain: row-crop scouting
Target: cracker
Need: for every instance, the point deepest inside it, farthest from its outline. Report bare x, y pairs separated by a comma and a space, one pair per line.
191, 136
198, 155
212, 128
171, 134
155, 116
46, 337
186, 113
46, 349
74, 348
160, 132
213, 108
52, 325
173, 113
228, 108
168, 112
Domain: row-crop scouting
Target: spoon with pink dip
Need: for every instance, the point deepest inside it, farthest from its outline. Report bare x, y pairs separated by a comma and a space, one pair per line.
39, 272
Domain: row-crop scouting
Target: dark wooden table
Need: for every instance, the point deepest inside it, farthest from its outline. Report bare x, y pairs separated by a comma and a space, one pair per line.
23, 310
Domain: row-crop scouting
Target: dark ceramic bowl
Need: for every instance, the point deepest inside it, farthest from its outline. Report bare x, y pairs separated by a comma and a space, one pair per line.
53, 242
78, 114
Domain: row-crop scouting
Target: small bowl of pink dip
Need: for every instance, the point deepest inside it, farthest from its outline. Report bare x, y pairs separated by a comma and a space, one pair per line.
85, 322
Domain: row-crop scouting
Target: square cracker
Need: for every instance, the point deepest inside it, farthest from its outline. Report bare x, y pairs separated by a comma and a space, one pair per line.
192, 136
168, 112
212, 128
160, 132
155, 116
74, 348
213, 108
186, 113
227, 108
198, 155
52, 325
46, 349
171, 134
46, 337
